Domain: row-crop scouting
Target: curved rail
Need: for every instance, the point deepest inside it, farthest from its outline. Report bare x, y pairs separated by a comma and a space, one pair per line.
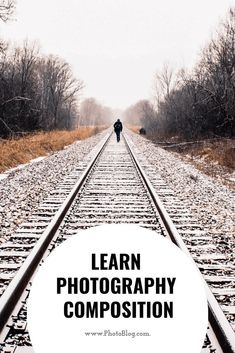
16, 287
222, 329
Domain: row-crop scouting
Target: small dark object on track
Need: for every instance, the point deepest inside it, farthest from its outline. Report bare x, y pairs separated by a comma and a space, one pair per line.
142, 131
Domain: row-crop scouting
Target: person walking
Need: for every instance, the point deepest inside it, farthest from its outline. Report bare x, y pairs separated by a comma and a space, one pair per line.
118, 128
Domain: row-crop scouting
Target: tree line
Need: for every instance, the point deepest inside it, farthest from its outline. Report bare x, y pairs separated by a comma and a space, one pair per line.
94, 113
200, 103
36, 92
39, 92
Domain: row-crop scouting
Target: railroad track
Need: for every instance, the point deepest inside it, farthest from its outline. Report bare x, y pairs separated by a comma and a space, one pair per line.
112, 186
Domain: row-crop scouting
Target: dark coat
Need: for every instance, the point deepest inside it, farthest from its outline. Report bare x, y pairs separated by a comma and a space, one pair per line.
117, 126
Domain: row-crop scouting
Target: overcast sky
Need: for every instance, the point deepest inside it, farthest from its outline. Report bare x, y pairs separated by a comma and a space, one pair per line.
116, 46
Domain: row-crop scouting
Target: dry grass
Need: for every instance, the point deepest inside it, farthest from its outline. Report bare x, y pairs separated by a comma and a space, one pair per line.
216, 159
218, 152
21, 150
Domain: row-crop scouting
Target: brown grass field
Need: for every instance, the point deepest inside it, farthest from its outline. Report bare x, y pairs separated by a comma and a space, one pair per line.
21, 150
214, 157
221, 152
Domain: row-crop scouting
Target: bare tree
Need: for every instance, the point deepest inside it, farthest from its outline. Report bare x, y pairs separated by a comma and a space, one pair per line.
94, 113
141, 114
201, 103
7, 8
164, 82
36, 92
59, 90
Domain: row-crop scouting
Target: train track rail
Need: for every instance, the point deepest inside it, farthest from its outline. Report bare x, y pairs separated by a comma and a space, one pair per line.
116, 186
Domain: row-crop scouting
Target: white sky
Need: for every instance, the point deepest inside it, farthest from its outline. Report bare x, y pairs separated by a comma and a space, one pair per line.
116, 46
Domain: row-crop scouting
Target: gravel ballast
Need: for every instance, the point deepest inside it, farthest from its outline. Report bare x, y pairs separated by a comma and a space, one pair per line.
208, 200
22, 190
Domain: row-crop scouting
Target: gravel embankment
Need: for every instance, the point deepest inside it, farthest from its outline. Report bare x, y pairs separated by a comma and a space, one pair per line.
22, 190
208, 200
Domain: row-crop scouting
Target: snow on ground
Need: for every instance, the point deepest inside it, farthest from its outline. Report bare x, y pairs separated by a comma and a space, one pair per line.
22, 189
20, 166
209, 200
